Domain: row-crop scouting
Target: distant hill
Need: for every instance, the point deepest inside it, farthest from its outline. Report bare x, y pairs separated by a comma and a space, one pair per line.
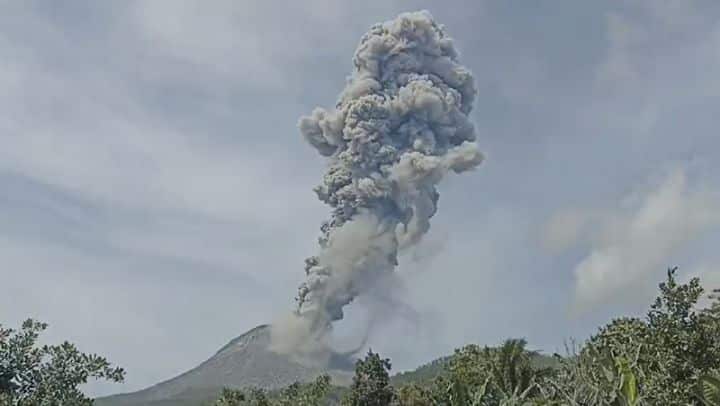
435, 368
421, 374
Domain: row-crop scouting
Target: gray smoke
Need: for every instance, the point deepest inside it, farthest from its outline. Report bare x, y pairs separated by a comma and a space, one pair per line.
399, 126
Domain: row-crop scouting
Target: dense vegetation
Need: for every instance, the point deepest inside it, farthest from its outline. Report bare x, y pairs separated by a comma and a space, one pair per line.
669, 357
48, 375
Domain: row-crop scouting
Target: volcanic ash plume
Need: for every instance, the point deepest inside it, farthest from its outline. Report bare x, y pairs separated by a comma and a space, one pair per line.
399, 126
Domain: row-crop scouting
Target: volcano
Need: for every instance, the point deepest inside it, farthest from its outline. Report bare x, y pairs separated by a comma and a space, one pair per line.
245, 361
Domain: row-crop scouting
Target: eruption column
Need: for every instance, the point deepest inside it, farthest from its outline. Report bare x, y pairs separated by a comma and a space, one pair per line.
399, 126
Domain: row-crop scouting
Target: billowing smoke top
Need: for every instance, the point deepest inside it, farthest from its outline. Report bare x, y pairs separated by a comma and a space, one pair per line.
399, 126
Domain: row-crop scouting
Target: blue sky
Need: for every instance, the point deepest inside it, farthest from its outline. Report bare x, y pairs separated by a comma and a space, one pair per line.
156, 197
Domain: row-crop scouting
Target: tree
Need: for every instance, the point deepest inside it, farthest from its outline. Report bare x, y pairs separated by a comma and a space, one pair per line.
712, 317
239, 397
413, 395
684, 341
296, 394
708, 390
371, 383
714, 309
47, 375
492, 376
605, 371
311, 394
658, 360
231, 397
512, 371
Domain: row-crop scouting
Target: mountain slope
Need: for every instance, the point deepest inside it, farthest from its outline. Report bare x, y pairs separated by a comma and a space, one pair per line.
244, 362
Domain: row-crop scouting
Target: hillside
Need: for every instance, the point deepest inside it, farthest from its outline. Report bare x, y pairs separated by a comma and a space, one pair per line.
246, 362
432, 369
243, 362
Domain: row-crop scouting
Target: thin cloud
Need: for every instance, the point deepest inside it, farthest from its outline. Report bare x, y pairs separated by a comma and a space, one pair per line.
627, 245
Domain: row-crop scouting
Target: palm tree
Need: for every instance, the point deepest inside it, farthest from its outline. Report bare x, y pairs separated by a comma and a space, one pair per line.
512, 370
504, 375
708, 390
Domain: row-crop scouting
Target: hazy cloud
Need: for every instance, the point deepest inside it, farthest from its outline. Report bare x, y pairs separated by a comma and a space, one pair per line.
631, 242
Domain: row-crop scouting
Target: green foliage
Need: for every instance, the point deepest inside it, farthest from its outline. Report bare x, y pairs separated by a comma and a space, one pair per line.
297, 394
371, 383
605, 371
305, 395
48, 375
505, 375
423, 374
677, 344
628, 390
657, 361
513, 375
714, 309
414, 395
231, 397
685, 341
666, 358
708, 390
669, 357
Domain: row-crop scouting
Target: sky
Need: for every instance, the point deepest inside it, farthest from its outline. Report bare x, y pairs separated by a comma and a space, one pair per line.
156, 196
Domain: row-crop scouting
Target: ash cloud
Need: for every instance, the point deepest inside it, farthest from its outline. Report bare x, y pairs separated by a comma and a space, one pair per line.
399, 126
